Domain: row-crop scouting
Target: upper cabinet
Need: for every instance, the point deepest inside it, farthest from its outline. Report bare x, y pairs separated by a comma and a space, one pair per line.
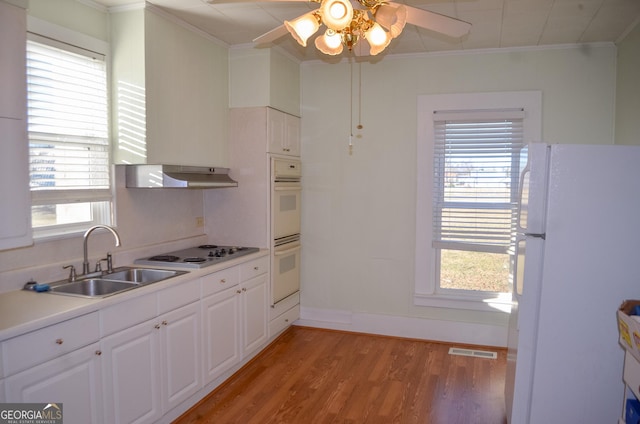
15, 209
170, 91
264, 77
12, 62
284, 133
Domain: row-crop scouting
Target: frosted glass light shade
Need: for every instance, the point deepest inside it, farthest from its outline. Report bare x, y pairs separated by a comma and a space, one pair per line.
378, 38
303, 27
336, 14
329, 43
392, 18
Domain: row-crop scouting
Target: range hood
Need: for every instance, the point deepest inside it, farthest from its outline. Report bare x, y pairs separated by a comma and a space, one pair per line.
177, 176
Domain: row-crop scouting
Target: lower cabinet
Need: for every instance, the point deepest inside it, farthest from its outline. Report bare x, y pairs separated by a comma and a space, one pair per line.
152, 367
74, 380
234, 322
221, 325
254, 313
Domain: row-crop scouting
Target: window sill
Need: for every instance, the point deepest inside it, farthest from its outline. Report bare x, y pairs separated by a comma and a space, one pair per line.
489, 303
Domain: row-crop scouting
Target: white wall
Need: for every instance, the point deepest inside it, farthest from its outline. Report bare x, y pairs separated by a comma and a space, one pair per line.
359, 210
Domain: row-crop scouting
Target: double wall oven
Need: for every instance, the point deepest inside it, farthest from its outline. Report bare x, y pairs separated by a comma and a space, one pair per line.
286, 194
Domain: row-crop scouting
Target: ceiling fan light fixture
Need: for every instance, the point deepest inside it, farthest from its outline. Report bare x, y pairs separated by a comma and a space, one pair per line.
329, 43
336, 14
378, 38
303, 27
392, 18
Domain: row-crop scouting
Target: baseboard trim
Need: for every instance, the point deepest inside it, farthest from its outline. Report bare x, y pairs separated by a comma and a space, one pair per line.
411, 327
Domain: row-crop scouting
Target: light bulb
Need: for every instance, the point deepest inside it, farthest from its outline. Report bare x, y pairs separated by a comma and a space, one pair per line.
329, 43
303, 27
378, 38
336, 14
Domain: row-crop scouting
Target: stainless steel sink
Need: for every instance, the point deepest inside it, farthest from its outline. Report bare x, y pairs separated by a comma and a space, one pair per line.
141, 275
93, 287
98, 285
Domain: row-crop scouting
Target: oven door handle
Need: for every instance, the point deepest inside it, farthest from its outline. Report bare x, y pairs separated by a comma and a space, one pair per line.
287, 251
290, 188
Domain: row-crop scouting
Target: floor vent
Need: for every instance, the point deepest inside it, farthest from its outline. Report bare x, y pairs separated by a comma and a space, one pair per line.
473, 352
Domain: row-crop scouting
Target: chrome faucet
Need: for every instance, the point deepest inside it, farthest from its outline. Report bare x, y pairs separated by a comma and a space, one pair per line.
85, 263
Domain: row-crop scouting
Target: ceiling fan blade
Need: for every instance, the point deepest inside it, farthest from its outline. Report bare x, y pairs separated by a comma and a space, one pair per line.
215, 2
436, 22
272, 35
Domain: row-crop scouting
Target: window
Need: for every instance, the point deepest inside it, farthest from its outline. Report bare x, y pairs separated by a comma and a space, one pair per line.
68, 137
468, 170
476, 170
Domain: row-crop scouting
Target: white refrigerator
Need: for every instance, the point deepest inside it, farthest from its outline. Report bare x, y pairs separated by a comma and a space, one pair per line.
578, 258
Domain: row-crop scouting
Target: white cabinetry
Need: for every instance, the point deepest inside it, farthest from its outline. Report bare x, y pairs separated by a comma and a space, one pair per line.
132, 375
221, 322
283, 133
153, 366
246, 210
15, 225
58, 364
234, 311
254, 301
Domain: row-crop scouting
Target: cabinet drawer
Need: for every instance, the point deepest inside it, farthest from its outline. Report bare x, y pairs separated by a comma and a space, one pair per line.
221, 280
282, 322
128, 313
41, 345
283, 306
631, 374
180, 295
254, 268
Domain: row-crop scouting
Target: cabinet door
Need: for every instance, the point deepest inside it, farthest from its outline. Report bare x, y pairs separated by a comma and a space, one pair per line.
180, 347
15, 225
276, 132
254, 309
13, 39
73, 379
292, 135
221, 332
131, 371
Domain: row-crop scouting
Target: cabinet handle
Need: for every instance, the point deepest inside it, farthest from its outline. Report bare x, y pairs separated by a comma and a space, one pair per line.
164, 322
59, 341
157, 326
223, 280
255, 268
286, 320
238, 291
244, 289
98, 352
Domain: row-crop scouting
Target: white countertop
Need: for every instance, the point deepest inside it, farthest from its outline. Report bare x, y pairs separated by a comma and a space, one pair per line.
22, 311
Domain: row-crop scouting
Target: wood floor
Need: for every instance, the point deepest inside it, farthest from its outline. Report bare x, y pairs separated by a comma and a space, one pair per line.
318, 376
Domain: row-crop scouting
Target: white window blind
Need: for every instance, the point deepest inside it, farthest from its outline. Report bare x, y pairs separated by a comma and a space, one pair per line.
68, 125
476, 165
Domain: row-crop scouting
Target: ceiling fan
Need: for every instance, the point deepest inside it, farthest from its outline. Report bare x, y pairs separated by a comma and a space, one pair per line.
355, 23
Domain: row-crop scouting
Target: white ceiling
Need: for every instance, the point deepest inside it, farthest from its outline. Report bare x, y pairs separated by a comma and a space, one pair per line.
495, 23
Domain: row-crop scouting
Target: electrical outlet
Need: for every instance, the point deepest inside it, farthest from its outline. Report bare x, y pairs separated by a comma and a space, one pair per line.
199, 221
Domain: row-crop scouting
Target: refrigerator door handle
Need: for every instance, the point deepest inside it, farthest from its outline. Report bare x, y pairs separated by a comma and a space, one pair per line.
523, 176
543, 236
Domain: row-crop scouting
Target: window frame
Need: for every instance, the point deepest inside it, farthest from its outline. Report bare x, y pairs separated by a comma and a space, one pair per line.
426, 290
56, 36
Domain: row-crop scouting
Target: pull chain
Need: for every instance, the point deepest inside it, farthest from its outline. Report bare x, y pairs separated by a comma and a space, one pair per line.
359, 126
351, 108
